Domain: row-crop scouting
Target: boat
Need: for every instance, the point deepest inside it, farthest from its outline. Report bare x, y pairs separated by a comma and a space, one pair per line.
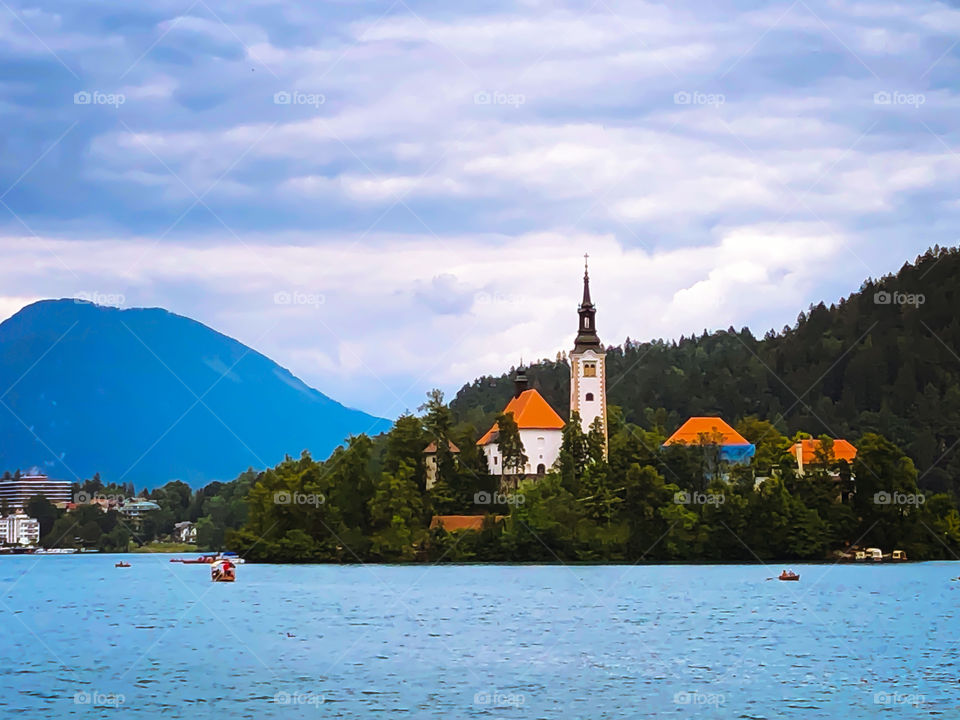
861, 556
202, 560
898, 556
223, 571
789, 575
875, 554
232, 557
122, 564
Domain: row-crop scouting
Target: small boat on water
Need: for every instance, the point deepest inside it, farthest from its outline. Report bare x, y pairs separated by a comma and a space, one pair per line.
208, 559
202, 560
223, 571
875, 554
122, 564
789, 575
898, 556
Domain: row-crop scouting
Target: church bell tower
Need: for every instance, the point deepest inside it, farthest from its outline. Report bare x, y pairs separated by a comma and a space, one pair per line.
588, 366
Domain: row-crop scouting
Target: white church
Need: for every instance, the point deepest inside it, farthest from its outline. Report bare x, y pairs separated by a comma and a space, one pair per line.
541, 428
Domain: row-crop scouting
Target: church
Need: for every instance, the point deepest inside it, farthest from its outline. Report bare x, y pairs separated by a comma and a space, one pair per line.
540, 426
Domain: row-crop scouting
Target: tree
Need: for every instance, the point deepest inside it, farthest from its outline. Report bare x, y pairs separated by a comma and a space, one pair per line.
510, 445
44, 511
396, 516
574, 453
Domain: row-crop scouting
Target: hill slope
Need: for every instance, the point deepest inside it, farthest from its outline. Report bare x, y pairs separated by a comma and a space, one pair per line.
146, 396
862, 365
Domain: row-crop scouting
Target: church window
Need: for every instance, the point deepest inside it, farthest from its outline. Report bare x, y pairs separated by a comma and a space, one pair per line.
589, 397
590, 369
586, 323
541, 469
495, 459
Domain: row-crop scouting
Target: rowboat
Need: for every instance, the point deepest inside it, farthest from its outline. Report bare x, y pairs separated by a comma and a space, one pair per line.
789, 575
223, 571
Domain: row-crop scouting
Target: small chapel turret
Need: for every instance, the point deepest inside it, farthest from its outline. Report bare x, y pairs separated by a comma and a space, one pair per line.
588, 368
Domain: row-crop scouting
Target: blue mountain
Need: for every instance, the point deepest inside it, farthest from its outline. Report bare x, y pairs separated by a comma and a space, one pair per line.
146, 396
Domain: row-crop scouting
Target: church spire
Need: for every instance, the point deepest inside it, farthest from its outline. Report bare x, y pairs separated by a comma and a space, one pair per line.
587, 334
586, 283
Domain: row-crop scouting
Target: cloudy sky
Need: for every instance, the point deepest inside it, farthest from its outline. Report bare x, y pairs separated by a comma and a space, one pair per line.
389, 196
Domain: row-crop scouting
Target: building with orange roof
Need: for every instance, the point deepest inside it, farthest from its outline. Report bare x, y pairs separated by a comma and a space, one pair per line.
457, 523
704, 431
540, 427
810, 452
430, 460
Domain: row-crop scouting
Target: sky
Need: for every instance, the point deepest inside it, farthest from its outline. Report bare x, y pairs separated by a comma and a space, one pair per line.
386, 197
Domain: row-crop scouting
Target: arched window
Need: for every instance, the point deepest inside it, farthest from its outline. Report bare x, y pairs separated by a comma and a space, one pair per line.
541, 469
586, 323
590, 369
589, 397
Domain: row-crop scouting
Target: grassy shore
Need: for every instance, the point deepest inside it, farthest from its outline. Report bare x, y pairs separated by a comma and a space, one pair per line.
162, 547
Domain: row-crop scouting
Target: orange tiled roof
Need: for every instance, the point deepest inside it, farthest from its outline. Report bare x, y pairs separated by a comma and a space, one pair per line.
432, 447
842, 450
689, 433
530, 411
453, 523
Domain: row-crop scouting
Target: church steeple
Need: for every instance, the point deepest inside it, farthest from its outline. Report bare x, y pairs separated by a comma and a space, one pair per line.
587, 334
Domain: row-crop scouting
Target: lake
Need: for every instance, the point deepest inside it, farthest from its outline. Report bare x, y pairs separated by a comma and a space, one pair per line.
284, 641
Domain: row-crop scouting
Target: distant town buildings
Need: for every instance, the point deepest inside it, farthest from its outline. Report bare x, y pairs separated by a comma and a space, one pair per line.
18, 529
185, 532
16, 491
136, 507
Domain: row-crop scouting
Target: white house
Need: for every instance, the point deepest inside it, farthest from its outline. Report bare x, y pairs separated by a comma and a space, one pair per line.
185, 532
541, 431
19, 529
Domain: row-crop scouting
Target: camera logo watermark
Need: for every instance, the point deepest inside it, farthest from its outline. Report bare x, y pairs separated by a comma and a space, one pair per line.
497, 498
894, 97
284, 497
514, 100
96, 97
898, 498
699, 699
498, 699
299, 298
485, 298
95, 698
883, 297
284, 97
698, 498
88, 498
299, 698
100, 298
895, 698
696, 97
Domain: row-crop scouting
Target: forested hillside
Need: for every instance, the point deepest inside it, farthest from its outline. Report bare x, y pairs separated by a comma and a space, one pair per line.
883, 360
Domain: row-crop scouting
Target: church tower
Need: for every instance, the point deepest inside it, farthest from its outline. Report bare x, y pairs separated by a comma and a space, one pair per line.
588, 366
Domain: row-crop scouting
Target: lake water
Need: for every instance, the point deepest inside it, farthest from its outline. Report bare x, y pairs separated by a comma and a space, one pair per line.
160, 640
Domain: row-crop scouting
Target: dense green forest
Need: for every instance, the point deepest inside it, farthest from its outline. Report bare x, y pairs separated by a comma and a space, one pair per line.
879, 369
874, 362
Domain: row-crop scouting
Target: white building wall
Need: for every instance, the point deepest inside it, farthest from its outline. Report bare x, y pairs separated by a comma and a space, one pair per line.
540, 447
581, 386
19, 529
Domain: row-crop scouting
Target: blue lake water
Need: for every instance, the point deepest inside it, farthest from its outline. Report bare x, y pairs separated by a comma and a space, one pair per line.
84, 639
